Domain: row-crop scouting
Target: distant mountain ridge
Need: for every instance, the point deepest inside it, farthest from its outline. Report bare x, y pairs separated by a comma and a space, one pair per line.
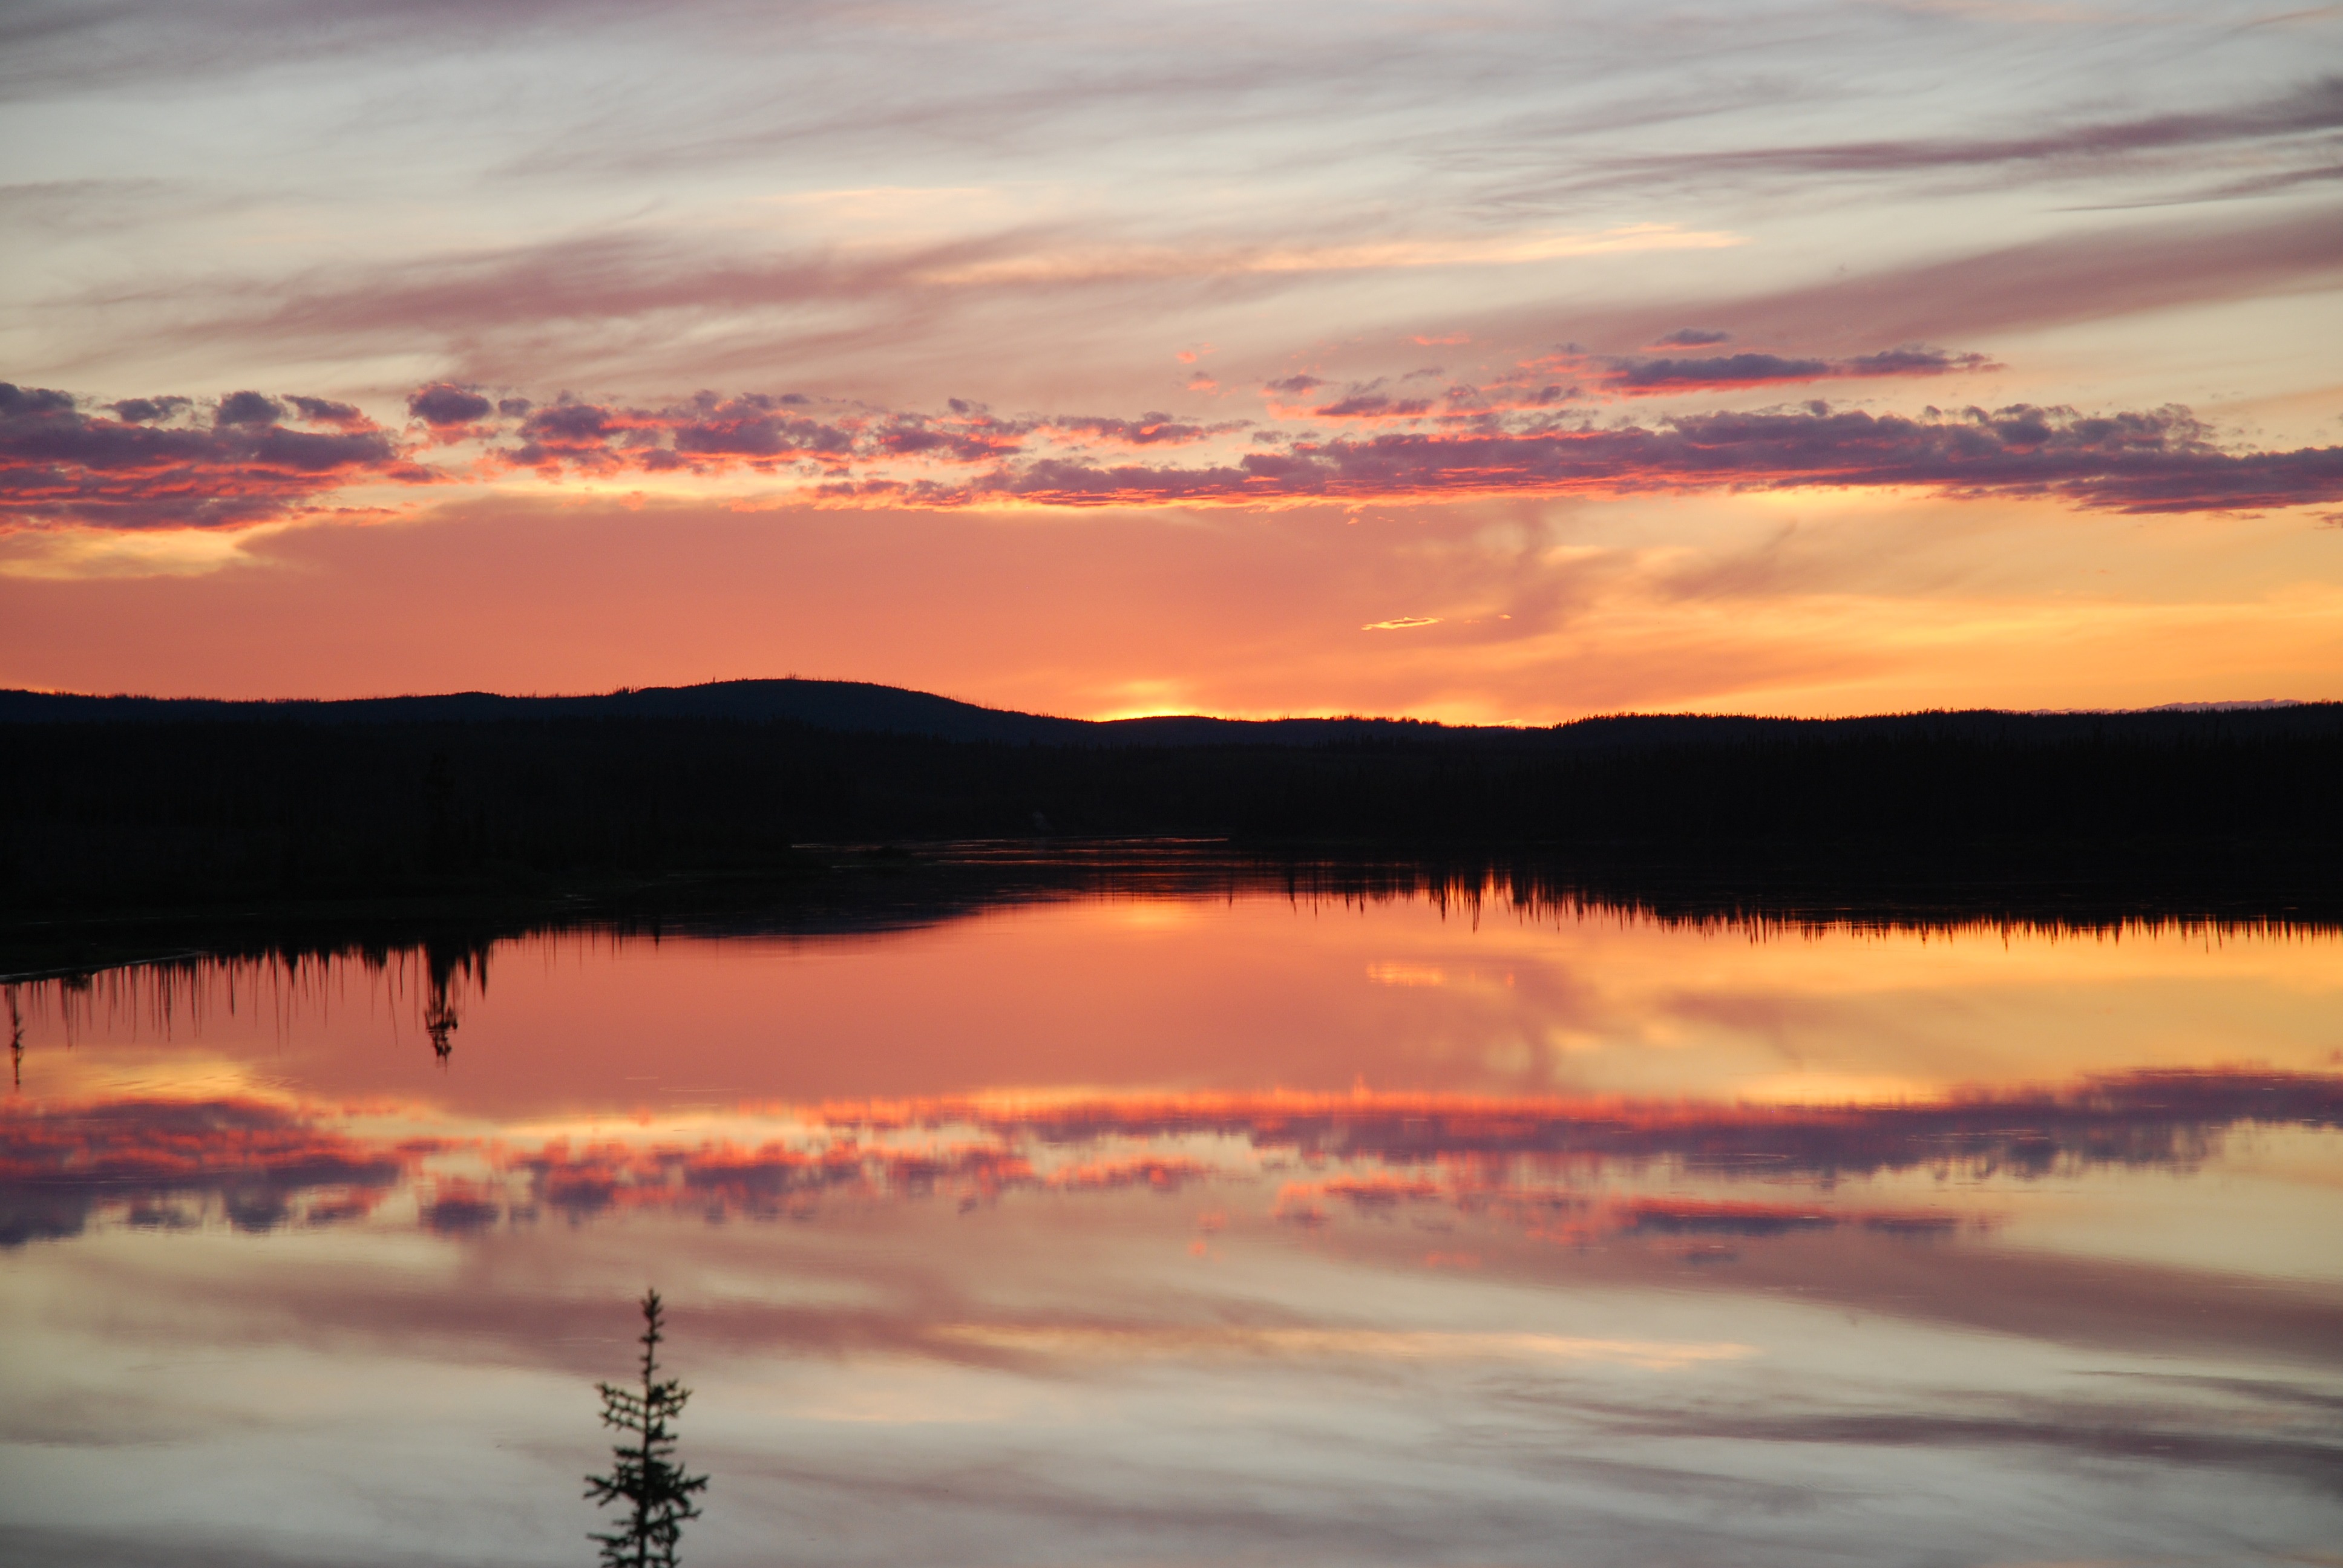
864, 707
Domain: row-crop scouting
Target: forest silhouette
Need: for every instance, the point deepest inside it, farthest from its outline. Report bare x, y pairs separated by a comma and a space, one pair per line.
106, 811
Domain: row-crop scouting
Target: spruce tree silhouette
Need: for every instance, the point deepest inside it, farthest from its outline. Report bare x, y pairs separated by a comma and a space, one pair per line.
644, 1474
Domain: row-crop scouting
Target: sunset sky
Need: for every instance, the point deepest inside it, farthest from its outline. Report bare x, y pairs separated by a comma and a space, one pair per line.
1481, 361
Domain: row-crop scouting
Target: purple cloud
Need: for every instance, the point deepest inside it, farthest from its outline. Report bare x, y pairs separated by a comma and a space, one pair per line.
2161, 461
146, 410
1716, 370
1652, 376
247, 408
1373, 405
60, 465
442, 407
327, 411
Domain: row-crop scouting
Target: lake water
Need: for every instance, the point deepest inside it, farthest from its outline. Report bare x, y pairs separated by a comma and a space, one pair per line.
1168, 1230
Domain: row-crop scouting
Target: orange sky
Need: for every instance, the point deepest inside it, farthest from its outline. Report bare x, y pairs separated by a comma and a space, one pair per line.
1471, 366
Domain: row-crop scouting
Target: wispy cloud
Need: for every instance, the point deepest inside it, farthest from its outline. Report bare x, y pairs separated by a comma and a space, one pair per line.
2107, 272
2294, 120
1504, 249
1361, 1344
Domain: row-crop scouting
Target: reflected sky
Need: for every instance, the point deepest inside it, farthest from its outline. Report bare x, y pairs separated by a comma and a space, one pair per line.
1222, 1229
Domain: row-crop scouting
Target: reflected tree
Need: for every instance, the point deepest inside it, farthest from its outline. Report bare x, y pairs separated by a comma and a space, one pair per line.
644, 1474
439, 1021
442, 961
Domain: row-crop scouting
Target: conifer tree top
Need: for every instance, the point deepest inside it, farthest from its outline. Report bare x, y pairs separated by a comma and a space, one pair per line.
645, 1475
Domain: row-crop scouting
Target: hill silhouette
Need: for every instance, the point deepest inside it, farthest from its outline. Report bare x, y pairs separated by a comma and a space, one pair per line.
117, 804
854, 707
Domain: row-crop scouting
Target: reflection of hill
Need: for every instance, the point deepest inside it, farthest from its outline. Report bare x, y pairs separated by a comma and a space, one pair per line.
432, 960
869, 892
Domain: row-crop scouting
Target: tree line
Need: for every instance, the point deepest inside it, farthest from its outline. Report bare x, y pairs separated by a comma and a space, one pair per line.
103, 815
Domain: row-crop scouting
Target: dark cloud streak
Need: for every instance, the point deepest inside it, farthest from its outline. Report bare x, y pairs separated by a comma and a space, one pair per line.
2306, 111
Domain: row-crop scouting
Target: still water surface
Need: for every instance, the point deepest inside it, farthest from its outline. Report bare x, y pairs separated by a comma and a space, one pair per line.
1177, 1230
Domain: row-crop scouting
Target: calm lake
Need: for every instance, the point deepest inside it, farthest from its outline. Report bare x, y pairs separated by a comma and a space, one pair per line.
1224, 1227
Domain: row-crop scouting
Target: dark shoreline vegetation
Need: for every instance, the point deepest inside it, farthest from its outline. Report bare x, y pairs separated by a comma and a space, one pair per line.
131, 829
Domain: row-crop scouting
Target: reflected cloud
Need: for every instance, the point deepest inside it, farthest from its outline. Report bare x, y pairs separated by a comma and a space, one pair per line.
1362, 1344
256, 1158
2102, 1430
2152, 1118
1530, 1162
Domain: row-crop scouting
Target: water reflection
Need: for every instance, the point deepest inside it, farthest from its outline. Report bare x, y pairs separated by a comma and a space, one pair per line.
1197, 1224
1553, 1167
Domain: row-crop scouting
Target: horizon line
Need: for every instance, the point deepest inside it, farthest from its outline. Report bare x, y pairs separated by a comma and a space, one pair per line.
2215, 705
